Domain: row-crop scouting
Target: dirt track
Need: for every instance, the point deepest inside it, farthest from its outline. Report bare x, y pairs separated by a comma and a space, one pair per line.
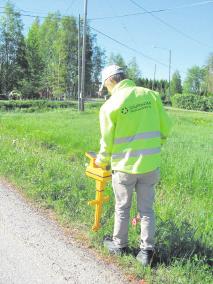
33, 249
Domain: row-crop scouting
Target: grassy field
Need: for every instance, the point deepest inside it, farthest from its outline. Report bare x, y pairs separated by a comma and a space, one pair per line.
43, 154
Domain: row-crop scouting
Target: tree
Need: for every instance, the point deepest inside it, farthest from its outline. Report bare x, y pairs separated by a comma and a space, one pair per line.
176, 87
95, 61
132, 68
209, 74
33, 84
90, 39
133, 71
117, 59
98, 62
46, 62
12, 50
69, 39
51, 46
59, 44
195, 80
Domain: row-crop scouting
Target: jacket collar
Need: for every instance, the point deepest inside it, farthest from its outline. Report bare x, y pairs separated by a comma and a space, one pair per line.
123, 84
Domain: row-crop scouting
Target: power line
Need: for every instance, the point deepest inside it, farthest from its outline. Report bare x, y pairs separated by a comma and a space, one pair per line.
135, 50
201, 3
126, 15
169, 25
25, 15
117, 16
123, 25
71, 5
131, 48
90, 19
40, 11
35, 16
154, 11
27, 11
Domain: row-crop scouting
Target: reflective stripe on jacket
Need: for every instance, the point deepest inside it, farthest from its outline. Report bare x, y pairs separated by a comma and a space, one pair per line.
133, 124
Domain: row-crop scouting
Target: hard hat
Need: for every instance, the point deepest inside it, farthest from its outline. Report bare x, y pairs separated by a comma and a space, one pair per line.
108, 72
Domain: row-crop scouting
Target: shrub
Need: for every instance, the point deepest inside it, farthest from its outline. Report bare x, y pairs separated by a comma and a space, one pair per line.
33, 105
15, 95
3, 97
43, 105
192, 102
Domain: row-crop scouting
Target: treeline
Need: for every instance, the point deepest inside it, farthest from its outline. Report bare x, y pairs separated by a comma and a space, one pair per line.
198, 81
195, 93
44, 64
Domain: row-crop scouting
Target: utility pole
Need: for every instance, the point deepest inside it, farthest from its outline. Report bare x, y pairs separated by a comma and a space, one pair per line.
153, 83
170, 58
79, 62
83, 57
59, 71
208, 82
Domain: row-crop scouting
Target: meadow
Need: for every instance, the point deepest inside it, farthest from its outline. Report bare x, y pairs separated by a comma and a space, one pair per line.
44, 155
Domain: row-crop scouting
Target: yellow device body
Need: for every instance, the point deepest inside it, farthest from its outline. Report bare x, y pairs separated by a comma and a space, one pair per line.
101, 176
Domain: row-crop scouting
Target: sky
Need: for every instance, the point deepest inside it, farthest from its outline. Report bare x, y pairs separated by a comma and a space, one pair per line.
185, 28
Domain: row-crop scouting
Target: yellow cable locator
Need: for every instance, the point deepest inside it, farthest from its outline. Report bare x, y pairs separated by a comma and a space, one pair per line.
101, 176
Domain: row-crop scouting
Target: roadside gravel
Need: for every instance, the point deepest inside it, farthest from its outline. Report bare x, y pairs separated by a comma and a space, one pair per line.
33, 249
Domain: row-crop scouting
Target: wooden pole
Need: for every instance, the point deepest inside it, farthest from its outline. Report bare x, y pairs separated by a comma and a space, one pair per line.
79, 62
82, 95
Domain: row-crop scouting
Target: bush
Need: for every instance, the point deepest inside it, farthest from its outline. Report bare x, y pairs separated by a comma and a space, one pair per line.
42, 105
165, 99
15, 95
33, 105
192, 102
3, 97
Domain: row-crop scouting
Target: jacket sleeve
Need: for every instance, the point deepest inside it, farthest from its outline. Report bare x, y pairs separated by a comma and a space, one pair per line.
165, 122
107, 127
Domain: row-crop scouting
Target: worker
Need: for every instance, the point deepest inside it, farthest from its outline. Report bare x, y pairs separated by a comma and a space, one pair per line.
133, 126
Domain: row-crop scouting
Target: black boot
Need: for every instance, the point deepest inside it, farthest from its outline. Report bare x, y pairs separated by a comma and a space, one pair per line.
112, 248
145, 257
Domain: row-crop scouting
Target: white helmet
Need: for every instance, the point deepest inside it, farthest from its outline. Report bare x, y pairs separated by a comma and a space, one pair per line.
108, 72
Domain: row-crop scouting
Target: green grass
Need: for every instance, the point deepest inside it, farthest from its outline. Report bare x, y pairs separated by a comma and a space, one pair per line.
43, 154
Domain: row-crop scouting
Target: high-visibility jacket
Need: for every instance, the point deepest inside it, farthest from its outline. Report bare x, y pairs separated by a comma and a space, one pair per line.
133, 124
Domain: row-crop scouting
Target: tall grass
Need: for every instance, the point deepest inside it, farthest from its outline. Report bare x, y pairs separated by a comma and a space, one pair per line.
43, 153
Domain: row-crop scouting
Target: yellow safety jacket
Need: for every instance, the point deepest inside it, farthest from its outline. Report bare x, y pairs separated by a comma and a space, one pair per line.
133, 125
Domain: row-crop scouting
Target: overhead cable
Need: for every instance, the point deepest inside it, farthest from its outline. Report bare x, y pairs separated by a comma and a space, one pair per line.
169, 25
27, 11
154, 11
127, 31
117, 16
26, 15
71, 5
130, 48
134, 50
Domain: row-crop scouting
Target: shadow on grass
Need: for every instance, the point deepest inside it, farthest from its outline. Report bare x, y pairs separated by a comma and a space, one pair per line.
173, 242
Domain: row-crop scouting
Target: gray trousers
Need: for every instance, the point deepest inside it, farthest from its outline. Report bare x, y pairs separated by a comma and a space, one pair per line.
123, 185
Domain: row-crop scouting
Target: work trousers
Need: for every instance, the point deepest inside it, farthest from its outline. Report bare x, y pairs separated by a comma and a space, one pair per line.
124, 185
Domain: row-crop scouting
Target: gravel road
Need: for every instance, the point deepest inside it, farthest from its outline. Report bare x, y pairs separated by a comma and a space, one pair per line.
33, 249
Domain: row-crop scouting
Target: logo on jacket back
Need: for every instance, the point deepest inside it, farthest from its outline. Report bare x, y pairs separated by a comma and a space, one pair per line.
124, 110
137, 107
